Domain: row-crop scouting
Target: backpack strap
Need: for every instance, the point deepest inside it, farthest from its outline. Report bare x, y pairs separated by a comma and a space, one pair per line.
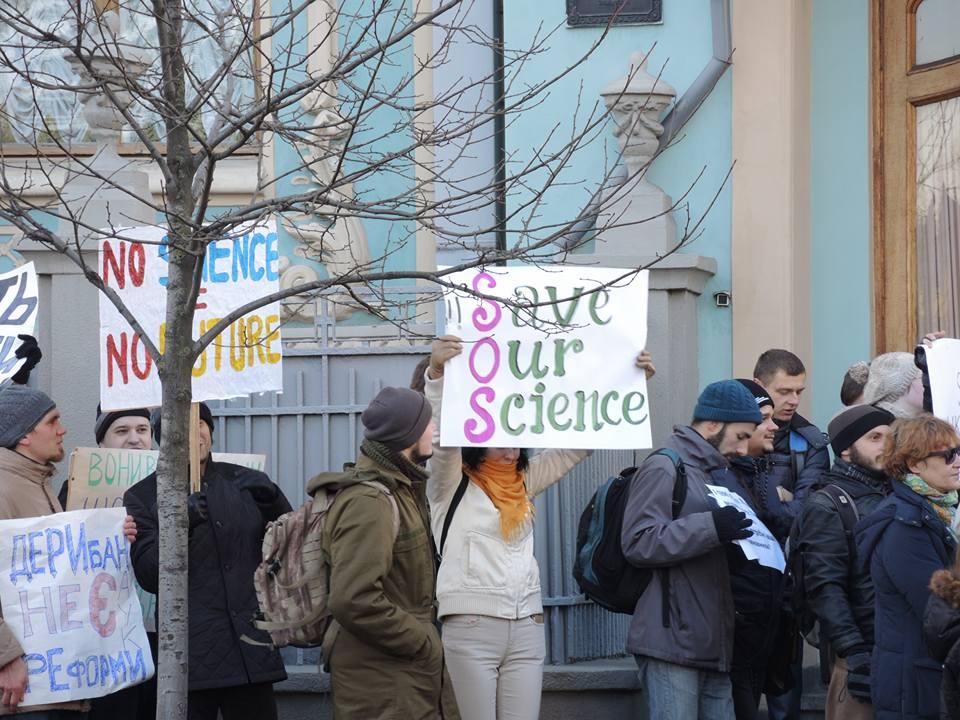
846, 507
393, 503
676, 505
454, 504
798, 455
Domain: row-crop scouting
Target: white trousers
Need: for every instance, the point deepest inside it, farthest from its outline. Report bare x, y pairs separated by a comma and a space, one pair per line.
496, 665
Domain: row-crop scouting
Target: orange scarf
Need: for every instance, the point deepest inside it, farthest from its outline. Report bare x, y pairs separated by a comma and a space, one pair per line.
504, 485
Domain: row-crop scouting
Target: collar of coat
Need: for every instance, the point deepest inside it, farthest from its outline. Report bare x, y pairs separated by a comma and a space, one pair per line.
13, 463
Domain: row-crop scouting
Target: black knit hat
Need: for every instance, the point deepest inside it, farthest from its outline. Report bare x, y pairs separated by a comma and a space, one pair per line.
852, 424
205, 415
396, 417
105, 420
759, 392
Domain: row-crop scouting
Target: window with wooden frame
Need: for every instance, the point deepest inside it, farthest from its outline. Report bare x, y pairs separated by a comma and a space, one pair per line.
916, 174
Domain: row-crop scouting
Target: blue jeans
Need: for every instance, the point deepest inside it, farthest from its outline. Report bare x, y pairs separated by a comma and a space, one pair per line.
676, 692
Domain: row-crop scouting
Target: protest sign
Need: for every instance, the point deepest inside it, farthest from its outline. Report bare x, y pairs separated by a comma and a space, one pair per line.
245, 358
68, 596
18, 315
762, 546
558, 375
98, 478
943, 366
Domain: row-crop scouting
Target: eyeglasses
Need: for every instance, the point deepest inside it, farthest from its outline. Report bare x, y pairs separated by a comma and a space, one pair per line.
948, 455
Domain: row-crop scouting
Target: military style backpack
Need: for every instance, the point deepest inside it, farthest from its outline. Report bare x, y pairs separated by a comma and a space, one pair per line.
292, 581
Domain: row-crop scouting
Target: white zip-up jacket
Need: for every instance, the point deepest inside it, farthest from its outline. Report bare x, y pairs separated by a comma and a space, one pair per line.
482, 573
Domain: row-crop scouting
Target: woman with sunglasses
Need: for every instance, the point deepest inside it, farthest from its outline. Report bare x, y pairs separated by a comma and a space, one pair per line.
904, 542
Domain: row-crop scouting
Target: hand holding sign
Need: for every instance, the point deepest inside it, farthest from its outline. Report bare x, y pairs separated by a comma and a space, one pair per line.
443, 349
13, 682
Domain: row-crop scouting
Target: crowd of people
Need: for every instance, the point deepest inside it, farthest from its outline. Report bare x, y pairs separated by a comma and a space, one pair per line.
434, 590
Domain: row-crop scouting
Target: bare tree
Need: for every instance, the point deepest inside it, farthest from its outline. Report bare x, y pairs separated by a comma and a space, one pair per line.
186, 86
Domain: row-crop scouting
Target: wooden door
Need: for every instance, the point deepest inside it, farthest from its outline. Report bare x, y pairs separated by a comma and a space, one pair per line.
916, 169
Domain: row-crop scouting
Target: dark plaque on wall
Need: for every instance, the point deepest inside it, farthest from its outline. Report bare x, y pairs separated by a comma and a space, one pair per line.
601, 12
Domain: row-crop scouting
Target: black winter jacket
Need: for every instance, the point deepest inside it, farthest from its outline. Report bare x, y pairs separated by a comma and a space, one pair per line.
757, 589
941, 625
839, 592
224, 552
799, 458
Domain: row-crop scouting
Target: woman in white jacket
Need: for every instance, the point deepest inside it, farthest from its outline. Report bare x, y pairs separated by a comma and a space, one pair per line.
488, 584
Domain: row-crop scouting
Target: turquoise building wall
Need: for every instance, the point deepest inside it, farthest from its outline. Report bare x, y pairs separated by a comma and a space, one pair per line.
840, 293
682, 46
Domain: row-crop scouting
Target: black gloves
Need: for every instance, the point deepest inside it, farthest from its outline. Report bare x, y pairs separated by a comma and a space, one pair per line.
265, 494
858, 675
731, 524
260, 487
30, 350
197, 509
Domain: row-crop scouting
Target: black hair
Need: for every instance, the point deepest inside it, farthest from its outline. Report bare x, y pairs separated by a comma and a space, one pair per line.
771, 361
473, 456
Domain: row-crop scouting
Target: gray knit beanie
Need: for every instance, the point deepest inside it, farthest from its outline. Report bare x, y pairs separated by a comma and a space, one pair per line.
21, 408
396, 417
891, 376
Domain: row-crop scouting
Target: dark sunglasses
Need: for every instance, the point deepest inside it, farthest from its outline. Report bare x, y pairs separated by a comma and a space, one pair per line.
948, 455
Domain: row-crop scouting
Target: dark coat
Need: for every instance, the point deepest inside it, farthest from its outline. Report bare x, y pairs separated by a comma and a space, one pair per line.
838, 591
700, 629
941, 626
799, 458
757, 589
224, 552
904, 543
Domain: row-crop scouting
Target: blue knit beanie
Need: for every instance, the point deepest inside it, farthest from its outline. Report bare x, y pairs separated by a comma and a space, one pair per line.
727, 401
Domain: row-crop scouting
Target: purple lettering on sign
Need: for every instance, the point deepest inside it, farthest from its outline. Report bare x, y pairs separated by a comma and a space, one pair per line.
470, 426
484, 320
494, 361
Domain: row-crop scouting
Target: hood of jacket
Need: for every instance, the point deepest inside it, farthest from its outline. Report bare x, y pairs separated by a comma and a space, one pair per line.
902, 505
941, 622
856, 479
15, 464
695, 450
366, 469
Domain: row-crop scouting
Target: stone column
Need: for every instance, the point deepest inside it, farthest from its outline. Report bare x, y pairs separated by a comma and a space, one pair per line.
636, 103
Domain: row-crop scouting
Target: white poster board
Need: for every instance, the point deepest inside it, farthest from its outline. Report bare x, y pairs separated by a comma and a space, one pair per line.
244, 359
68, 595
762, 546
19, 304
554, 375
943, 366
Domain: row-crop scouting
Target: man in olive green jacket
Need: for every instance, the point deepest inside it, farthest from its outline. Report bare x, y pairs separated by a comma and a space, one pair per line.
384, 651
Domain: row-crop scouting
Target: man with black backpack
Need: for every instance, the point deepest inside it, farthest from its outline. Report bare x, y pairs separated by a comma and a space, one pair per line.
682, 628
836, 591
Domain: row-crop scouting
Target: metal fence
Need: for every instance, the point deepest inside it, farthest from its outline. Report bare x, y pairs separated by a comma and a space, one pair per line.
330, 375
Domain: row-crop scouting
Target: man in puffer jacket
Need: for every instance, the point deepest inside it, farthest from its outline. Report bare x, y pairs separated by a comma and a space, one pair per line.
682, 628
838, 591
227, 519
